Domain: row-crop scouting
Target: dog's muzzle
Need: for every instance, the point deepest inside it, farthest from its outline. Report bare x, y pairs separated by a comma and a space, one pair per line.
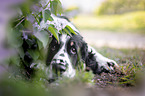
59, 66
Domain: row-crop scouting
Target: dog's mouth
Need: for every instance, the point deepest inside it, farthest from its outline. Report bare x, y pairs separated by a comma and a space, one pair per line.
58, 68
55, 71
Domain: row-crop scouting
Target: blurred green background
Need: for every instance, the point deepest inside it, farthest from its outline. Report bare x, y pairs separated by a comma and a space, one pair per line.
110, 15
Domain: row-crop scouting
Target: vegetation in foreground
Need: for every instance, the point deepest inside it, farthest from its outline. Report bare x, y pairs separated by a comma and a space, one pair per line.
131, 61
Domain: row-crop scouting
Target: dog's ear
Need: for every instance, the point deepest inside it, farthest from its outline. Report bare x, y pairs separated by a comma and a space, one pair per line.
89, 58
81, 46
84, 51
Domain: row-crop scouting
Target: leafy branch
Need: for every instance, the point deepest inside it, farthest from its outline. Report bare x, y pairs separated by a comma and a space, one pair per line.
32, 18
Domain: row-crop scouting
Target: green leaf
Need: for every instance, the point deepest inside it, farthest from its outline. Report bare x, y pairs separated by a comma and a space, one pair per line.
70, 29
66, 31
14, 60
60, 31
56, 7
40, 44
59, 7
50, 18
53, 6
43, 36
54, 32
47, 15
28, 25
25, 8
21, 52
34, 54
15, 38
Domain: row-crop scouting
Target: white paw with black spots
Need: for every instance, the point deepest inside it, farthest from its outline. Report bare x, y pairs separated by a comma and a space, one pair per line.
104, 64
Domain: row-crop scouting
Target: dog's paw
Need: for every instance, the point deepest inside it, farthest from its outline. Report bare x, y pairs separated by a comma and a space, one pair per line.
102, 63
110, 66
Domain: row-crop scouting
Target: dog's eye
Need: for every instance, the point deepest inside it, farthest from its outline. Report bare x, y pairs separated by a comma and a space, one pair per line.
73, 50
53, 47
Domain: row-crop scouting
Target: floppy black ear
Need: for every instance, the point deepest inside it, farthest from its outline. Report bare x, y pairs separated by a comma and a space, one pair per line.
84, 51
87, 56
82, 45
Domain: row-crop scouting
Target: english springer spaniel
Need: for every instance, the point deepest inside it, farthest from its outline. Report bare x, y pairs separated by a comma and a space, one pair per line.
64, 57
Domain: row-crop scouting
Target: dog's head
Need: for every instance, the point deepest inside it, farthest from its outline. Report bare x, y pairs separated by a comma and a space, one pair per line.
64, 56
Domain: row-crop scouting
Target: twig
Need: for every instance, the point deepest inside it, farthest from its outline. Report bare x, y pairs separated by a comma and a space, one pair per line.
19, 23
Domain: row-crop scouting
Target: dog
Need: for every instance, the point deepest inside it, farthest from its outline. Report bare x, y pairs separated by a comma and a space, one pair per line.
64, 56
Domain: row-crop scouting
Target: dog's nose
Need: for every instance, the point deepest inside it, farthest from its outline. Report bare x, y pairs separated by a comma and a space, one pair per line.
59, 68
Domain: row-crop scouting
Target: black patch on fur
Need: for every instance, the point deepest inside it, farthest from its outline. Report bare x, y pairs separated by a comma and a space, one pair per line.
110, 64
62, 55
54, 47
81, 49
92, 63
104, 70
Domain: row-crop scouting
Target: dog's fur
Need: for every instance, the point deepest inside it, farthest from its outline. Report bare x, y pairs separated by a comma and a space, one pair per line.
64, 57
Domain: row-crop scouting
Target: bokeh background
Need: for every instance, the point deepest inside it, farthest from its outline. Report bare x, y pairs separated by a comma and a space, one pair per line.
112, 23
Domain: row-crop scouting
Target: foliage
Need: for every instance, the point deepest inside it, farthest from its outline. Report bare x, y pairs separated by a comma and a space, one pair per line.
130, 22
30, 30
110, 7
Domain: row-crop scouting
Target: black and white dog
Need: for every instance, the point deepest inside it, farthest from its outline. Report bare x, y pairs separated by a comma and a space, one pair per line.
64, 57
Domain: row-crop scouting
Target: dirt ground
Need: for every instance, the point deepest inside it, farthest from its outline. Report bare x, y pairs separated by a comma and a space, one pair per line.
114, 39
